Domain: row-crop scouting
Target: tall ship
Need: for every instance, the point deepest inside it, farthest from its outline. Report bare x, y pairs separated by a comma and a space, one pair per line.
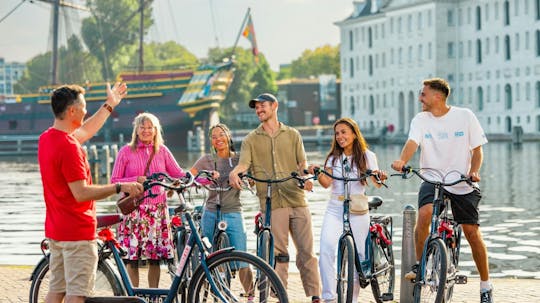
182, 99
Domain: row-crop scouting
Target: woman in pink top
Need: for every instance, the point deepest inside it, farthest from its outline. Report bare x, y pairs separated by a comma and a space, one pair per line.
144, 234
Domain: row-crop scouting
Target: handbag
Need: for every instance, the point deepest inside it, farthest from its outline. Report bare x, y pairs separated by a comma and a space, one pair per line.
128, 204
359, 205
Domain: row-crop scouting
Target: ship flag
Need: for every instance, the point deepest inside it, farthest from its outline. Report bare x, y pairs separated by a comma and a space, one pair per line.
249, 33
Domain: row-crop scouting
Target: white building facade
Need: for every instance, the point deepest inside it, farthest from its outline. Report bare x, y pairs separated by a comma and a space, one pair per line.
488, 50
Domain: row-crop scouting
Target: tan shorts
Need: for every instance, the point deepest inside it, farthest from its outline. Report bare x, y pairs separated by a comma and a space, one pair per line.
73, 266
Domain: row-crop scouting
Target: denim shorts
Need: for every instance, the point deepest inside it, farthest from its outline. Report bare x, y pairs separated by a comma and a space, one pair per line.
235, 228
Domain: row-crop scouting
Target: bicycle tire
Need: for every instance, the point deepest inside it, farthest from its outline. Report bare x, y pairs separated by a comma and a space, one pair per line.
180, 238
263, 251
453, 246
346, 270
432, 287
382, 264
221, 241
265, 278
107, 282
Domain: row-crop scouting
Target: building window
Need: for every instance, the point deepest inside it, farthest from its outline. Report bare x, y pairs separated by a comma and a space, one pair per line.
352, 106
400, 55
410, 57
516, 42
371, 107
478, 18
478, 51
370, 65
537, 9
460, 17
538, 42
420, 52
527, 40
451, 52
480, 99
351, 67
496, 8
506, 12
351, 40
409, 23
507, 49
420, 23
370, 37
460, 50
528, 91
507, 96
450, 17
538, 94
429, 50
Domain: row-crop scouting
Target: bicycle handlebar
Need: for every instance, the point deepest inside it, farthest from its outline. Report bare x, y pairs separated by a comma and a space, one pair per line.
294, 175
363, 176
406, 171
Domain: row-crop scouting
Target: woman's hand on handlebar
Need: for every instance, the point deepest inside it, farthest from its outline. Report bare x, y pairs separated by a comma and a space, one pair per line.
474, 176
378, 177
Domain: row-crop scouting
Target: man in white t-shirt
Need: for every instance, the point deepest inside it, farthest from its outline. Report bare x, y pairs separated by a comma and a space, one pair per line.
450, 139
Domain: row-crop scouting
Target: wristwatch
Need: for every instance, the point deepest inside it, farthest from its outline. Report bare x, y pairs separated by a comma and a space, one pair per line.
118, 188
108, 107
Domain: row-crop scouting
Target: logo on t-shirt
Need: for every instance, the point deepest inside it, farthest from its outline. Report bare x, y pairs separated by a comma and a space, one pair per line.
459, 134
428, 136
442, 136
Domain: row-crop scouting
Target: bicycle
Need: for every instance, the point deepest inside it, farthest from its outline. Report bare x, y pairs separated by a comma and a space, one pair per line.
378, 268
440, 255
214, 279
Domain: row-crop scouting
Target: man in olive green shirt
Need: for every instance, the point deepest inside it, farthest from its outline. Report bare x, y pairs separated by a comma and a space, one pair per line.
274, 150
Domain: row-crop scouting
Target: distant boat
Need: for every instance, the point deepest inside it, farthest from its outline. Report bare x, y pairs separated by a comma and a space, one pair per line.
180, 98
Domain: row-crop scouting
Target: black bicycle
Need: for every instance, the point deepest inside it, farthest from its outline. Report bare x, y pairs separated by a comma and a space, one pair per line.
378, 268
438, 272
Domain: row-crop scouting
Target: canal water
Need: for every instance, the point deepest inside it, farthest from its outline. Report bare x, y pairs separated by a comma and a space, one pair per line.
509, 211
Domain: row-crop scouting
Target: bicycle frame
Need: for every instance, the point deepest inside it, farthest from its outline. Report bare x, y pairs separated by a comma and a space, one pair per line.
167, 295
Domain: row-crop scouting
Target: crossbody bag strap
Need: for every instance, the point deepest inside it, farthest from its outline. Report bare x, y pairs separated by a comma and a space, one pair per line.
148, 163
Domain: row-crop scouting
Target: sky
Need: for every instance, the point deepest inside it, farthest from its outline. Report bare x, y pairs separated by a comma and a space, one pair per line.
284, 28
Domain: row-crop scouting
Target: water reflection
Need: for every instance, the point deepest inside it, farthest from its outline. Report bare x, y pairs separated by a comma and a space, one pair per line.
509, 211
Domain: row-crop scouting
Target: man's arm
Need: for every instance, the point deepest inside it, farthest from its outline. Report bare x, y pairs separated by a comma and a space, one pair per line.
476, 163
84, 192
91, 125
407, 152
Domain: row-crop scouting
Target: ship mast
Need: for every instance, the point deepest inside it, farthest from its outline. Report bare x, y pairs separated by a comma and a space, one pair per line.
56, 13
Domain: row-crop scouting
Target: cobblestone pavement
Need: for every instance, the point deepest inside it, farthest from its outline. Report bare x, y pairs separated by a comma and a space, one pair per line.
15, 284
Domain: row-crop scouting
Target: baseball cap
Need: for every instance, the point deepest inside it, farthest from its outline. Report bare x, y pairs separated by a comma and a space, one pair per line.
262, 98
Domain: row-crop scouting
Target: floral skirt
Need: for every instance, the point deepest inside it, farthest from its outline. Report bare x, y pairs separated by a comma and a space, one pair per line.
145, 234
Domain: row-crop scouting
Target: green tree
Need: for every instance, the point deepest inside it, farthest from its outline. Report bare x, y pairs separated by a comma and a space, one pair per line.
111, 33
322, 60
250, 78
75, 66
163, 56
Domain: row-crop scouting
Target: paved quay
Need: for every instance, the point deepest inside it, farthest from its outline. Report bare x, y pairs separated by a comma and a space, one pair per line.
14, 287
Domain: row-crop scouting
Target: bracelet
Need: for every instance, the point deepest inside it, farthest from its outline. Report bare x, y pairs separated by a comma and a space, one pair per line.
118, 187
108, 107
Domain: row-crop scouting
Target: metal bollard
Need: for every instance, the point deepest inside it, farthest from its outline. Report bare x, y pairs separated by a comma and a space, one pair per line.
408, 255
106, 163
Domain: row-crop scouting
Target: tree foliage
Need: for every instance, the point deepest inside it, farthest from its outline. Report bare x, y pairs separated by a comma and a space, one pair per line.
250, 79
322, 60
112, 32
75, 66
163, 56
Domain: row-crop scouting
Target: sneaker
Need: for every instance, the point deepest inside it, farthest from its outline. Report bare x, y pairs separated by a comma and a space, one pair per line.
316, 300
251, 299
411, 275
486, 296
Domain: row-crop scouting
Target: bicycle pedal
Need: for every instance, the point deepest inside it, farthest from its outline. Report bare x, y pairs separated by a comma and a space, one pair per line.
363, 283
387, 297
461, 279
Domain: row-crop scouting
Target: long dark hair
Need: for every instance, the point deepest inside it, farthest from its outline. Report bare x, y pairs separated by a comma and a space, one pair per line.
360, 147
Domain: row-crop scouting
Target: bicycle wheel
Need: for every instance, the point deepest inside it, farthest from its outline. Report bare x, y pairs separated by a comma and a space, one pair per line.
221, 241
382, 264
452, 246
107, 283
432, 287
180, 238
345, 270
263, 250
233, 289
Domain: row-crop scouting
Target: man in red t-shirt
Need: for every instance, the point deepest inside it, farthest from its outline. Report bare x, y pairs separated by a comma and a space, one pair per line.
70, 222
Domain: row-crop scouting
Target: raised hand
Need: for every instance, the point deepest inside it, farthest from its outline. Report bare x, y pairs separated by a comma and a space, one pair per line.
116, 93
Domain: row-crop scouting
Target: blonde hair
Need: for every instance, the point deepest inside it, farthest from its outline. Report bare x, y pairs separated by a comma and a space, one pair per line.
138, 121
